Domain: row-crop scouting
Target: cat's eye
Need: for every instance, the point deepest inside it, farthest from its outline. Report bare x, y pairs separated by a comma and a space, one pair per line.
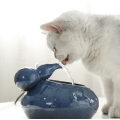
54, 48
55, 52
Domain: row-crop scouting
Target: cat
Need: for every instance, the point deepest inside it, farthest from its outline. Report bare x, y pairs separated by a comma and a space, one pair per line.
95, 39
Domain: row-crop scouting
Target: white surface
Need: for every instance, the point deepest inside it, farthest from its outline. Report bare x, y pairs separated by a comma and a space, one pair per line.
9, 111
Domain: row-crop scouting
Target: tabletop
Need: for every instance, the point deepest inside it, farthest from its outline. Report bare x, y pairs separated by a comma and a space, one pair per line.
9, 111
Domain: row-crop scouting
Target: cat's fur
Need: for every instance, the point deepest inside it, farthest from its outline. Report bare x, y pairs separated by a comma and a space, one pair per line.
96, 40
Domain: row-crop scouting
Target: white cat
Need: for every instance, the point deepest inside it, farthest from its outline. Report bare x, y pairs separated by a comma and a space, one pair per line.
96, 40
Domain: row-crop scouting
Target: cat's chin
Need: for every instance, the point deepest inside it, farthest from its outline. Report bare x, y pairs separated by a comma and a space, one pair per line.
70, 62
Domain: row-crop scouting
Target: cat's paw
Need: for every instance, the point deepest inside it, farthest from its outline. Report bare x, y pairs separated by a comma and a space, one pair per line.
105, 109
114, 112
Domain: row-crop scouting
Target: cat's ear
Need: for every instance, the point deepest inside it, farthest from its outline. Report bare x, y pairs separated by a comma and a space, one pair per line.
48, 27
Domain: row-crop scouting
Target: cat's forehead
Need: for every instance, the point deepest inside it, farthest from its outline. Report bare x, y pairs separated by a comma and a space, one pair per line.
50, 42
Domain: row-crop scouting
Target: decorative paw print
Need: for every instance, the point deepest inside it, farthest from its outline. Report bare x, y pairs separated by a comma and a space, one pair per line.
114, 112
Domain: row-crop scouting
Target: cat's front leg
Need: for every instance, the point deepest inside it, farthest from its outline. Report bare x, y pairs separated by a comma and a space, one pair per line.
108, 90
114, 110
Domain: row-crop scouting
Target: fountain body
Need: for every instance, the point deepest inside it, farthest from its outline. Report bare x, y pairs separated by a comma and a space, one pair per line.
50, 99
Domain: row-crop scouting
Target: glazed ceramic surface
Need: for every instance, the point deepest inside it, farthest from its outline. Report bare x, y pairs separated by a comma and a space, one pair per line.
27, 78
50, 99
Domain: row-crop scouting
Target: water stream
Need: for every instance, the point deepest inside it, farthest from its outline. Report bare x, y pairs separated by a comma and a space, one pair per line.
68, 73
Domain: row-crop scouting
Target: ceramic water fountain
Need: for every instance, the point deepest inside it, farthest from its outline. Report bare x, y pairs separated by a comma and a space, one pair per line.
52, 99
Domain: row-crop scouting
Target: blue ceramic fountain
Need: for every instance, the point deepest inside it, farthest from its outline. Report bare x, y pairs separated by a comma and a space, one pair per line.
50, 99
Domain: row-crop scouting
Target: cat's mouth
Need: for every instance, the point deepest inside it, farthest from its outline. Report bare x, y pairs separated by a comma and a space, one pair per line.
64, 62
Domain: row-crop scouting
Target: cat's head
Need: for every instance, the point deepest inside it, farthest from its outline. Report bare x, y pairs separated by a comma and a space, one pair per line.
63, 39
